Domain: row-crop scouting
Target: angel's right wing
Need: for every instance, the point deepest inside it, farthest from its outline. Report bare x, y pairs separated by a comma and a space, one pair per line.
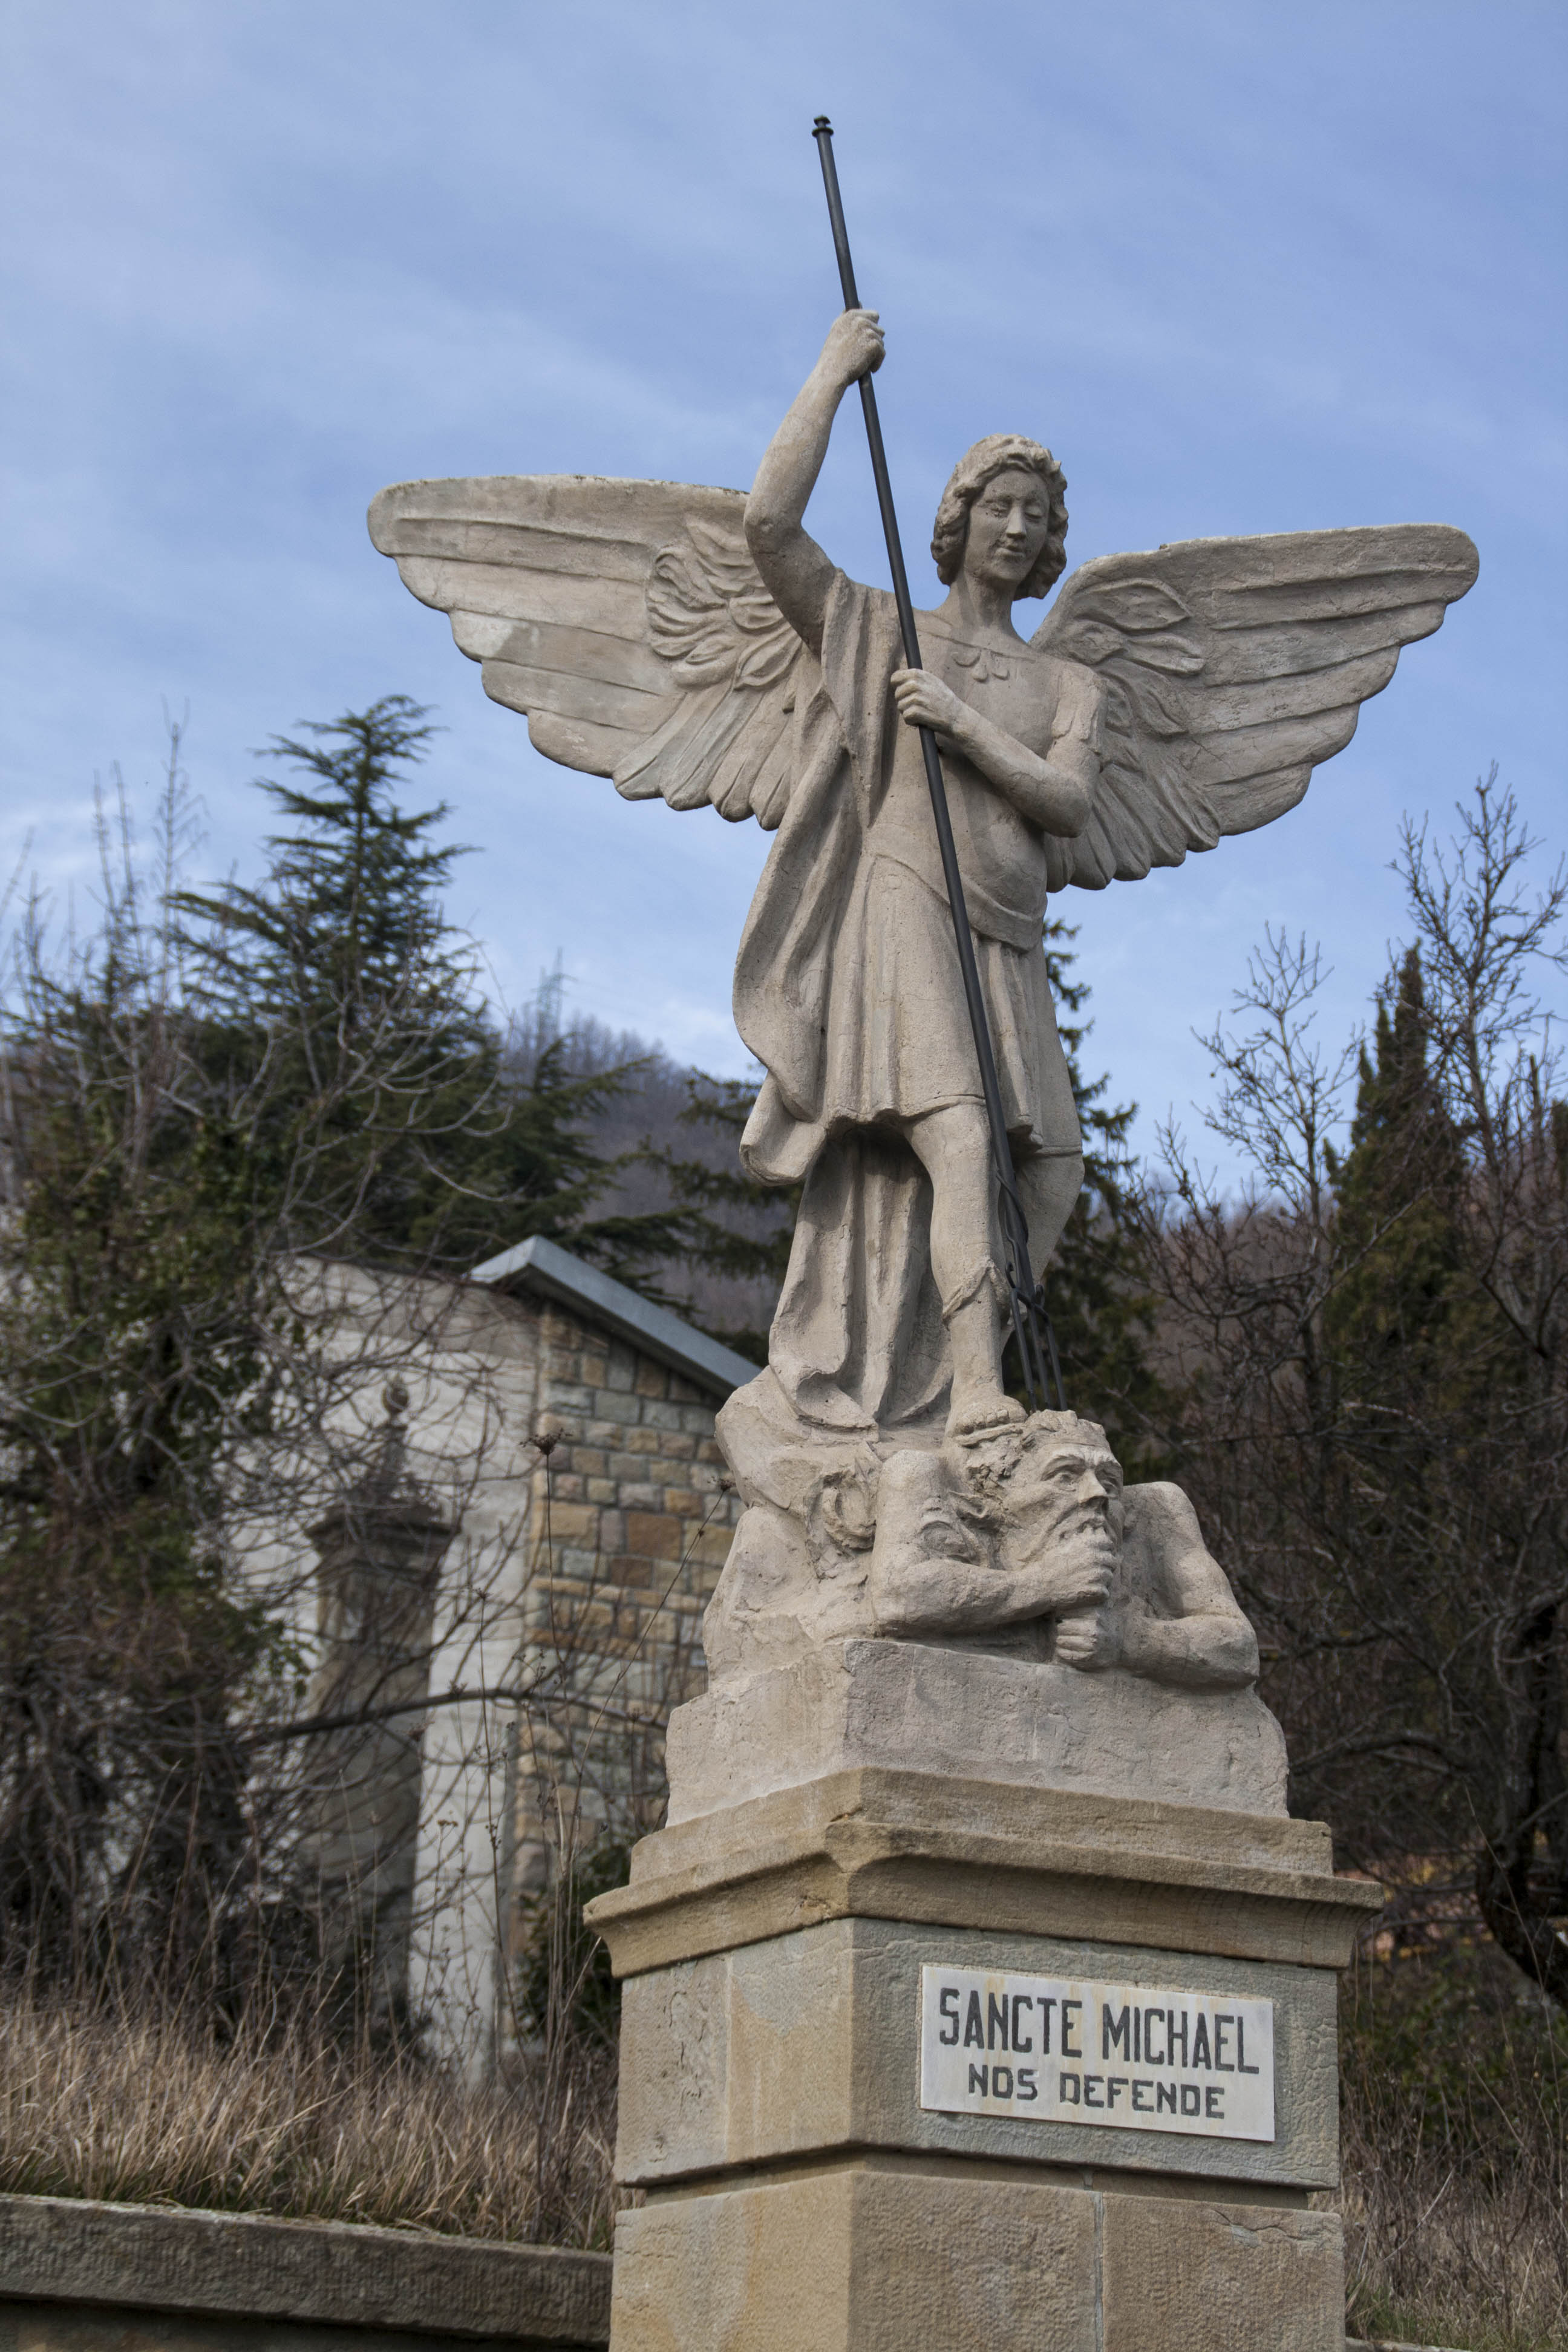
1230, 667
625, 618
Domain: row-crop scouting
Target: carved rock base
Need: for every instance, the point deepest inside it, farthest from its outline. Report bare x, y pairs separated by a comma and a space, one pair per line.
910, 1706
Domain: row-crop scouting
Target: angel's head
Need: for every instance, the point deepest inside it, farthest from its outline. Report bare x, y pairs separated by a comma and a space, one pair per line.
1026, 537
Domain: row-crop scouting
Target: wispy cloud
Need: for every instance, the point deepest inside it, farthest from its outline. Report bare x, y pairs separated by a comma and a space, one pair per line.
1247, 268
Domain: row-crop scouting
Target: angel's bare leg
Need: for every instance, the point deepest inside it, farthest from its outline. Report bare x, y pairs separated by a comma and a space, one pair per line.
953, 1146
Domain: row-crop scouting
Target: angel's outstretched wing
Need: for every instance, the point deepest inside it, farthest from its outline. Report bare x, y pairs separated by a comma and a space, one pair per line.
625, 618
1232, 667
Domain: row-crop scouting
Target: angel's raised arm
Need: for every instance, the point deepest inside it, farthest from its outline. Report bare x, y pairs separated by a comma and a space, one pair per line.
793, 568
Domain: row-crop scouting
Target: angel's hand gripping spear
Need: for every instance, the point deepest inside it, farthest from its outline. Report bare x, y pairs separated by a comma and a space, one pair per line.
1031, 1323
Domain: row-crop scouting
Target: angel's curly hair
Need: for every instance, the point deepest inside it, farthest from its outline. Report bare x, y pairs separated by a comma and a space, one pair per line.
998, 454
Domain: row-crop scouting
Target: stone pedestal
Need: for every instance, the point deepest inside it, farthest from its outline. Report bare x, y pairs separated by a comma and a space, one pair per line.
976, 1715
814, 2183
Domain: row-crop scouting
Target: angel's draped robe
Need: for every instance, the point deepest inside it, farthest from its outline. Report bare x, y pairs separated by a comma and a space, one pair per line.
848, 992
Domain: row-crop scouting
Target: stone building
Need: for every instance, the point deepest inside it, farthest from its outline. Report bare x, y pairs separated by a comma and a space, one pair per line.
561, 1429
629, 1520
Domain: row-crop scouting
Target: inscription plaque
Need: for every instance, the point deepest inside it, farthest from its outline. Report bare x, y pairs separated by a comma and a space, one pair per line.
1064, 2051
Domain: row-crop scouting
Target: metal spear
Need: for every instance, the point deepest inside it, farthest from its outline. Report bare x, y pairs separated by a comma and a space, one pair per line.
1031, 1324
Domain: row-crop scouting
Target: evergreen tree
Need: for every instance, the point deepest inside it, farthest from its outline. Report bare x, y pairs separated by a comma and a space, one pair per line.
732, 1225
201, 1086
405, 1136
1100, 1307
1395, 1313
136, 1300
1375, 1433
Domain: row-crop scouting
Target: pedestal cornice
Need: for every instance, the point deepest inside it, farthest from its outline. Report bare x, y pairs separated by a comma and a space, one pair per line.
921, 1847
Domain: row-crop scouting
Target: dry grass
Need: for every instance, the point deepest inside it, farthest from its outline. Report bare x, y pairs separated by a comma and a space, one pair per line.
1433, 2259
120, 2103
1453, 2127
1456, 2172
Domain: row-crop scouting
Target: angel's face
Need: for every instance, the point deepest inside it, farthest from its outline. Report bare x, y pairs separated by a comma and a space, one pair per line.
1008, 526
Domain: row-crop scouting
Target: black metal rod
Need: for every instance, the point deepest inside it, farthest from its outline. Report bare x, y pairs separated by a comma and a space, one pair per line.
1031, 1326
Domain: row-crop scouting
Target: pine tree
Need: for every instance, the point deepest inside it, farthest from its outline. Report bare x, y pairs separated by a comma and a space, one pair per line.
1376, 1433
199, 1088
734, 1226
406, 1138
339, 977
136, 1297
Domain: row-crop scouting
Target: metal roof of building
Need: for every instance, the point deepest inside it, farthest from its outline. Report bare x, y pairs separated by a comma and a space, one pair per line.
549, 1271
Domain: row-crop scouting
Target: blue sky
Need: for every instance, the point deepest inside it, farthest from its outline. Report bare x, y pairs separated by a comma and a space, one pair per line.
1245, 267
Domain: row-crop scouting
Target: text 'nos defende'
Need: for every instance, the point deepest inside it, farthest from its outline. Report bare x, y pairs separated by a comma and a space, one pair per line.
1142, 2057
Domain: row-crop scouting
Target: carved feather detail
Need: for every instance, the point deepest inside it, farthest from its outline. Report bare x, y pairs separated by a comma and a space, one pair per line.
710, 615
1231, 668
627, 619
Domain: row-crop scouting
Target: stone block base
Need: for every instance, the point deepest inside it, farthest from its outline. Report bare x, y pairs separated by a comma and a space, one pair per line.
983, 1854
968, 1714
822, 2174
809, 2046
877, 2257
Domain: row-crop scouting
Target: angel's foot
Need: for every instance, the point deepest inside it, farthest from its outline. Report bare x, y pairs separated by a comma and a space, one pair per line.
983, 1414
980, 1406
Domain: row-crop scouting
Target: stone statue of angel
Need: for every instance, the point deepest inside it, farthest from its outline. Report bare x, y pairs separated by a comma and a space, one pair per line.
699, 646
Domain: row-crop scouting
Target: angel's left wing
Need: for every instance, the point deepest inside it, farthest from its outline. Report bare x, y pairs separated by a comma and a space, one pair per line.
1231, 668
627, 619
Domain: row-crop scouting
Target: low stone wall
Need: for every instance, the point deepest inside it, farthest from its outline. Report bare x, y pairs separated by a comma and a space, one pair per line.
82, 2277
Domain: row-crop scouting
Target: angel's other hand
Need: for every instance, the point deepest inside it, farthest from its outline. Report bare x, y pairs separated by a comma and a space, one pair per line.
924, 701
854, 348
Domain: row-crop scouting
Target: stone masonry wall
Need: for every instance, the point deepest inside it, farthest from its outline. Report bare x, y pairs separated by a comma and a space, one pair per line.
633, 1483
75, 2276
630, 1521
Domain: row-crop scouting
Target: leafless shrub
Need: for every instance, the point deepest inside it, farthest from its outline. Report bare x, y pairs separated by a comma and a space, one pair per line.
1370, 1347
